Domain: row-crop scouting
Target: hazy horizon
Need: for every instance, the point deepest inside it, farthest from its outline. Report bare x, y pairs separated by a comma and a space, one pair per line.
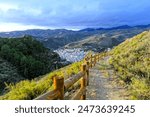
68, 28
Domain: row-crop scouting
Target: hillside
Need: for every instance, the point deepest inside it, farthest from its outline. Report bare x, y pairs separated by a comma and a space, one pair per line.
8, 73
131, 62
30, 89
107, 38
25, 58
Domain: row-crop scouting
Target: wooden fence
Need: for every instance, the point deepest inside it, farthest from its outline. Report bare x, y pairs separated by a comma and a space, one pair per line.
61, 85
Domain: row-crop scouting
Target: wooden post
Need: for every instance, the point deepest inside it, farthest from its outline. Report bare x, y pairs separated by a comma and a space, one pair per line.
91, 61
83, 81
94, 60
59, 85
87, 71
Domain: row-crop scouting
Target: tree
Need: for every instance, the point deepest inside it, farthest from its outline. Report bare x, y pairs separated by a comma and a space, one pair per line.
5, 51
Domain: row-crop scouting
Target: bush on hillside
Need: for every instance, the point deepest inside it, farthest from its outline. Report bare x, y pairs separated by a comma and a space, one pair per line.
131, 62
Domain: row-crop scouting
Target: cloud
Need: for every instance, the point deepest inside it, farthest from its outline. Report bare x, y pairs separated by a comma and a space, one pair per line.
4, 27
6, 7
74, 13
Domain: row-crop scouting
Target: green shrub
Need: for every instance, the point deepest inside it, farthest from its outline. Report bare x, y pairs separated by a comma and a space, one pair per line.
139, 89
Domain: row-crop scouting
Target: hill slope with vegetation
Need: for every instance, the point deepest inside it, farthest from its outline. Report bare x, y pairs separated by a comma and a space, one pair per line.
30, 89
131, 62
24, 58
8, 73
107, 38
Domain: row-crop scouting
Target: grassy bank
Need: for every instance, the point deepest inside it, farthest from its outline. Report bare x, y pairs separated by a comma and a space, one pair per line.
131, 62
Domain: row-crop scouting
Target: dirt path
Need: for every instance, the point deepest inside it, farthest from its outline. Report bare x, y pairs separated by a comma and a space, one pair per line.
102, 85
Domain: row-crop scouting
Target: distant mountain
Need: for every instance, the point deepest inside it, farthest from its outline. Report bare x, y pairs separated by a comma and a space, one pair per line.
113, 28
107, 38
58, 38
120, 27
52, 39
90, 29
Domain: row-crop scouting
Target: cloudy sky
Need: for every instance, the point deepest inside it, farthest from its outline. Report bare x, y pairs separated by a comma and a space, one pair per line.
72, 14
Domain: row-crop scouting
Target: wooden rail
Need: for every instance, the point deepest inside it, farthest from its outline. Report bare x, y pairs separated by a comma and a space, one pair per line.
60, 86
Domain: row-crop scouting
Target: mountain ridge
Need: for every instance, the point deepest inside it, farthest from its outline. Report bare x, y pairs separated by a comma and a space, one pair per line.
58, 38
108, 38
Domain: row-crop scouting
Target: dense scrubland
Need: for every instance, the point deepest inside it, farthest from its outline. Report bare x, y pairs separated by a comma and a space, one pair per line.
131, 62
24, 58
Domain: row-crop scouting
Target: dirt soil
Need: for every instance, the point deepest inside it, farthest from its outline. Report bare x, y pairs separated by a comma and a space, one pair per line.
103, 85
